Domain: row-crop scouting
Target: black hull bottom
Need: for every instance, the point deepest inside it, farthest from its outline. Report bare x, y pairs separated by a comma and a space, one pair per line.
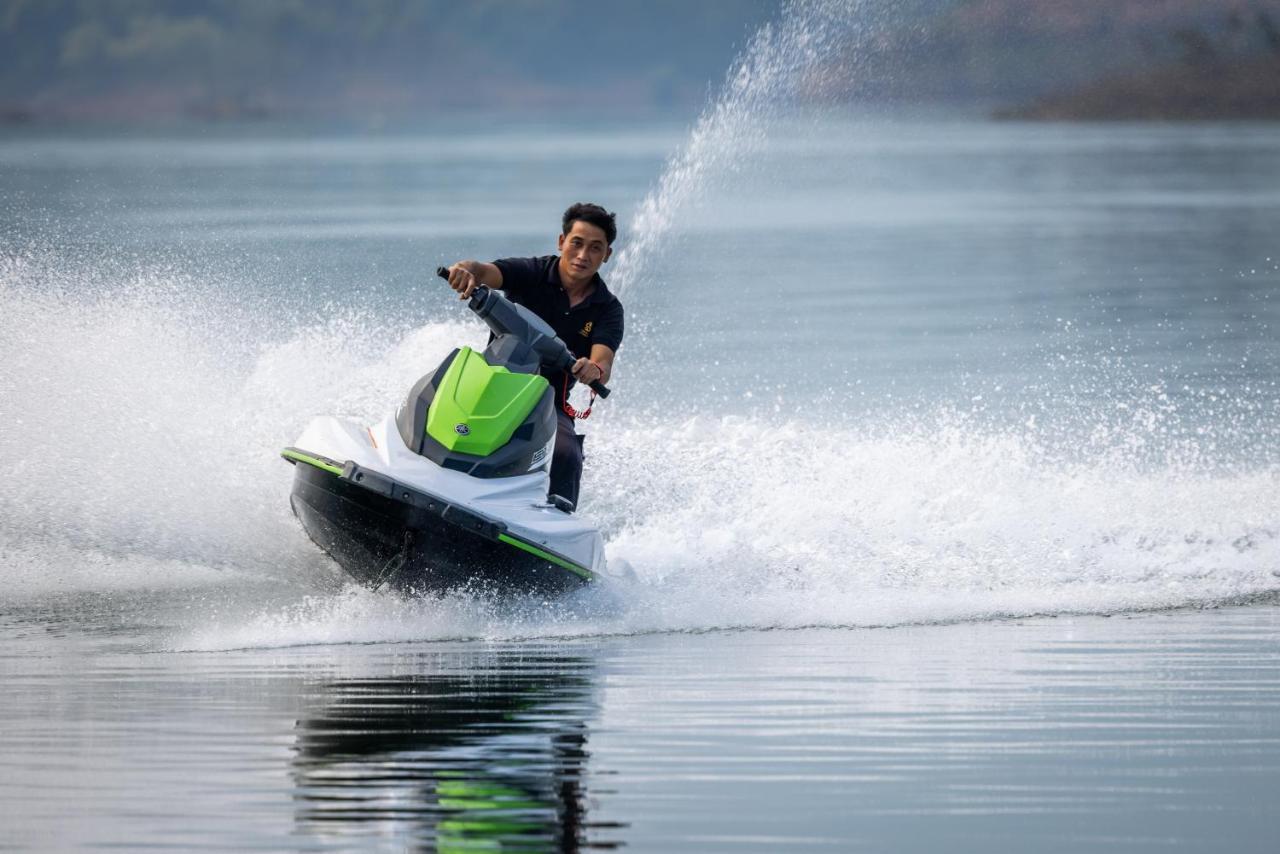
382, 542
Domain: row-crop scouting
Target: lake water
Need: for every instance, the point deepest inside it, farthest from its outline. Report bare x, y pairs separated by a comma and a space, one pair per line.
944, 452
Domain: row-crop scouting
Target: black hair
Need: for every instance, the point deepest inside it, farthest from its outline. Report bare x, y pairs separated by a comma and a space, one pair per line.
593, 215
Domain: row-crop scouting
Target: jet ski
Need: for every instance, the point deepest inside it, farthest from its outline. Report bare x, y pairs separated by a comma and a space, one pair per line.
450, 491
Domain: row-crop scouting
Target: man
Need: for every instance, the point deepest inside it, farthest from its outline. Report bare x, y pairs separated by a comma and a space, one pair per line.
567, 292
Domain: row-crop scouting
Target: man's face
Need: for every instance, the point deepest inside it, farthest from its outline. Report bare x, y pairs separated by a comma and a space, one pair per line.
582, 251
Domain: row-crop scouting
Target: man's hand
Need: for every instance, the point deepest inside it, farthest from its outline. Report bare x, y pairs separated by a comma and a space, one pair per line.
587, 371
462, 280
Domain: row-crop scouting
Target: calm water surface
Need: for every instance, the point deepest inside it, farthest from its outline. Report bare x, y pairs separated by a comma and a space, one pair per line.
1141, 732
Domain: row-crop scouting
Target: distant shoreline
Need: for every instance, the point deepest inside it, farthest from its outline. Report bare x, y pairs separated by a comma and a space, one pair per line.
1222, 89
1207, 91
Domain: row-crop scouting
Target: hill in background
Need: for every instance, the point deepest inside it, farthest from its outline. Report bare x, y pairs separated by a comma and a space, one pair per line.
124, 60
1082, 59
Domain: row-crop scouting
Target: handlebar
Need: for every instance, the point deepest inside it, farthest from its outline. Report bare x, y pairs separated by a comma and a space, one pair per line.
478, 293
480, 296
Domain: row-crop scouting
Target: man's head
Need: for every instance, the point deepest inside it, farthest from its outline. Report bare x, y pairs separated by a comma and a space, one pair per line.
586, 242
593, 215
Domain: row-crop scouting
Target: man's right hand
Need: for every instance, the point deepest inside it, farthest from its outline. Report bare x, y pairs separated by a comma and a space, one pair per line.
462, 280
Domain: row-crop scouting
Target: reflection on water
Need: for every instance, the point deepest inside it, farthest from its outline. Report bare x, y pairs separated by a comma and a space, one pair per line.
1133, 733
489, 753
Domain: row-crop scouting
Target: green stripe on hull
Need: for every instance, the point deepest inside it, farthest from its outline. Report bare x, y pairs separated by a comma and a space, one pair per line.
299, 457
547, 556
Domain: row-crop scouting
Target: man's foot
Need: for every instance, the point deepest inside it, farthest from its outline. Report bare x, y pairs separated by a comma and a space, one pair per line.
560, 503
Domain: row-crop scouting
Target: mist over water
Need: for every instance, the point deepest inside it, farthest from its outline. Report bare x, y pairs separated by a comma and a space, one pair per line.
768, 78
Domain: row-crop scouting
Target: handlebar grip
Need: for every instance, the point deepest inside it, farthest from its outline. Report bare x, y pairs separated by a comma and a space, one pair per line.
600, 389
478, 293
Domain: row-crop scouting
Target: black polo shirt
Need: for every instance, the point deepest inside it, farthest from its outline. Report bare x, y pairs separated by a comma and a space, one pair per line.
535, 284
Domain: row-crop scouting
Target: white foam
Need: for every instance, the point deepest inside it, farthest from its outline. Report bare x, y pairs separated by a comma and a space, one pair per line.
783, 524
145, 417
143, 425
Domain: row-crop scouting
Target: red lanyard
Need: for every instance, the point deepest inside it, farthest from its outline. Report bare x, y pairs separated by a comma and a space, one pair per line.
568, 408
574, 414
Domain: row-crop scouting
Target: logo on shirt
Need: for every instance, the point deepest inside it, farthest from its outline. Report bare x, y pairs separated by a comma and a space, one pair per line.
586, 330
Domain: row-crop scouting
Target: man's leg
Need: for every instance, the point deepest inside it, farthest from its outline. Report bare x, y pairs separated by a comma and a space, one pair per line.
566, 461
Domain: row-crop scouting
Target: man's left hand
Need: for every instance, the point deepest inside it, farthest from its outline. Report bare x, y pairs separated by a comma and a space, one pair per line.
586, 371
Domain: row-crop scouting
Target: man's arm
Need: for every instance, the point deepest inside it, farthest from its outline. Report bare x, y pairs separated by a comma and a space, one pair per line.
598, 367
604, 344
464, 276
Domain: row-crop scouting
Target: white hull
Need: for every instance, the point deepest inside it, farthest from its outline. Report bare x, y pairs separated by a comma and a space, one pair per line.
519, 503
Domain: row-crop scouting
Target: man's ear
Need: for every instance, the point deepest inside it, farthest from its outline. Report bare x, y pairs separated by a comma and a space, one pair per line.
560, 241
607, 254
